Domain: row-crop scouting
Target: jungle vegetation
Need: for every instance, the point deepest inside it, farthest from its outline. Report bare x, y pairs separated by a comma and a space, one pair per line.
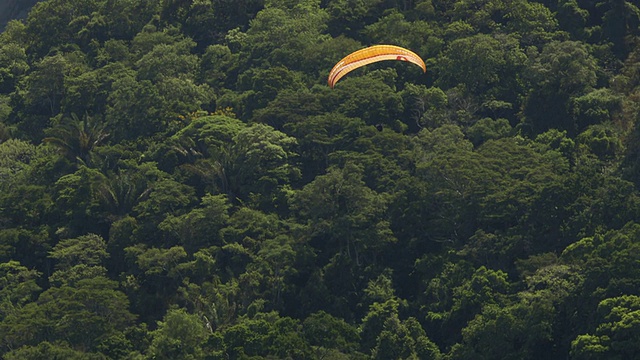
177, 181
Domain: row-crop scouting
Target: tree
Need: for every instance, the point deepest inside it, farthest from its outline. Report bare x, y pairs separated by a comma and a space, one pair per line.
165, 197
388, 337
18, 286
15, 157
168, 61
83, 310
218, 303
486, 65
395, 29
290, 109
249, 163
133, 107
13, 65
155, 275
534, 23
326, 332
77, 138
76, 199
348, 17
263, 85
217, 66
608, 261
343, 215
458, 294
596, 107
87, 249
121, 189
78, 258
84, 316
84, 93
241, 208
321, 136
180, 335
265, 334
425, 107
620, 25
488, 129
201, 227
259, 164
275, 261
48, 350
601, 140
562, 72
209, 22
58, 23
526, 328
405, 339
616, 336
280, 33
42, 92
439, 156
120, 20
516, 332
371, 98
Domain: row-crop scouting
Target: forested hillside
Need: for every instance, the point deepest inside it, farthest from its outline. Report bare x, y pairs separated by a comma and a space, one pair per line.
177, 181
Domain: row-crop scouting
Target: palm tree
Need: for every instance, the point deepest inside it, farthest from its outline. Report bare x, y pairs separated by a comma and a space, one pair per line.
77, 138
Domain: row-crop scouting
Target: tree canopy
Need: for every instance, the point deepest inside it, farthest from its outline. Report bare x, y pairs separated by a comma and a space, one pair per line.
178, 181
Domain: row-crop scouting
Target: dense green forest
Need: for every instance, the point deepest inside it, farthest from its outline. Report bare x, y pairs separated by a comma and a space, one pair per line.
177, 181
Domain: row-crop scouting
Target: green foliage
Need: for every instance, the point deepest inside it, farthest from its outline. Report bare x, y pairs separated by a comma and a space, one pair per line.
388, 337
479, 61
47, 350
523, 328
139, 119
347, 215
179, 336
411, 34
371, 98
617, 332
348, 17
612, 253
77, 138
553, 90
596, 107
601, 140
18, 287
178, 181
13, 64
327, 332
201, 226
83, 316
15, 156
488, 129
264, 335
280, 34
265, 156
78, 258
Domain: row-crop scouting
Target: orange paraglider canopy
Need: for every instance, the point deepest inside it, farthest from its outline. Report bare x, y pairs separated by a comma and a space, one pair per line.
370, 55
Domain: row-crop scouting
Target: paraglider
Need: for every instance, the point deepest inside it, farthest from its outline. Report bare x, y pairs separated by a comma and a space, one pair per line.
370, 55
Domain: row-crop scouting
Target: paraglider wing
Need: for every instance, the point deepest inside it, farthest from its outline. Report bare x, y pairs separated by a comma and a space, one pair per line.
370, 55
